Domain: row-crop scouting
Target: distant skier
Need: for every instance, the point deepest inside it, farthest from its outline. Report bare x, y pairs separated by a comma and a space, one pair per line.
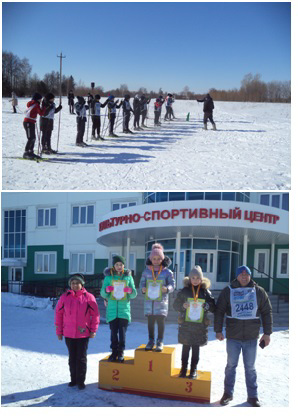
169, 107
47, 122
137, 112
89, 99
144, 108
71, 102
127, 109
14, 102
157, 110
33, 109
208, 110
81, 108
95, 114
112, 109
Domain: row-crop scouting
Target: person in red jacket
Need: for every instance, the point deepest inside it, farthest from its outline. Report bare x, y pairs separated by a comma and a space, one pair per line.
77, 319
33, 109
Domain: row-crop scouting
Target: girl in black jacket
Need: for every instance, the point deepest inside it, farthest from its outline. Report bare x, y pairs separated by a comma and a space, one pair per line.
193, 302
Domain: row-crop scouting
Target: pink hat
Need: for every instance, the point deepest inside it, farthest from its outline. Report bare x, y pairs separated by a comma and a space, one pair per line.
157, 249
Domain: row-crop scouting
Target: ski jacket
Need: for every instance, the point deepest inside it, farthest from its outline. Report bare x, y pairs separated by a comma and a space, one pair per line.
136, 105
14, 99
155, 307
169, 101
158, 106
243, 329
33, 109
193, 333
208, 104
95, 107
118, 308
81, 111
70, 99
143, 104
50, 109
76, 314
126, 107
112, 107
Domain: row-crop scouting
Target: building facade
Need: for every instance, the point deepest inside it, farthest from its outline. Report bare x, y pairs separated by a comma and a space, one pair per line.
48, 236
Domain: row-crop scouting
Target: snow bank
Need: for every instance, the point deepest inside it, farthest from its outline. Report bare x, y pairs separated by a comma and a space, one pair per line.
25, 301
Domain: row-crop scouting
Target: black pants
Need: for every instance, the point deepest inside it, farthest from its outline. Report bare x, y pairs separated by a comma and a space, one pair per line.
160, 319
46, 128
126, 118
144, 115
77, 351
112, 118
156, 116
30, 133
208, 115
95, 125
14, 109
136, 122
168, 113
195, 354
71, 107
118, 333
81, 122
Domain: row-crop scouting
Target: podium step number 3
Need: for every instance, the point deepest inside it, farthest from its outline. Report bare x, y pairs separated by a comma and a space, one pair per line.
152, 374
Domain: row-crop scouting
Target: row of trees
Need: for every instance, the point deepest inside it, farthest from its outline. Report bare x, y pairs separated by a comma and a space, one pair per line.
16, 76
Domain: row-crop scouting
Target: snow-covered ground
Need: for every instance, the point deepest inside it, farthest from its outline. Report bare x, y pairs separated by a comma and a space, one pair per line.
35, 364
250, 151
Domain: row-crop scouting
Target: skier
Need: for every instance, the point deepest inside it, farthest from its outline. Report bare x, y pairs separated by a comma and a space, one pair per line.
112, 106
95, 113
157, 110
169, 109
81, 108
89, 98
127, 109
47, 122
33, 109
208, 110
137, 112
14, 102
71, 102
144, 108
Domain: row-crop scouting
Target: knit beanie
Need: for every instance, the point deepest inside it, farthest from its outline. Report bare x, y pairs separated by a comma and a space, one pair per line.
157, 250
196, 271
77, 277
242, 268
118, 258
36, 96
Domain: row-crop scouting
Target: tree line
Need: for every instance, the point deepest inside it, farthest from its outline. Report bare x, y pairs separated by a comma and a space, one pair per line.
16, 76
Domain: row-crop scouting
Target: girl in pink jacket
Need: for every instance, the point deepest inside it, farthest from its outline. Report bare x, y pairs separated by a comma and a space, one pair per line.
77, 319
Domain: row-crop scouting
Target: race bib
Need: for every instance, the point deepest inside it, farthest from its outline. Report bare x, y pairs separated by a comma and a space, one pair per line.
243, 303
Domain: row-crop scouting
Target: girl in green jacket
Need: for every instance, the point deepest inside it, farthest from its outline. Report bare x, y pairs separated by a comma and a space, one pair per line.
118, 288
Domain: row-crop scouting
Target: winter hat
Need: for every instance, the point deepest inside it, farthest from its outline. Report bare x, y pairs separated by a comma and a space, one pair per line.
111, 97
127, 96
97, 96
157, 250
196, 271
36, 96
49, 96
81, 100
118, 258
79, 277
242, 268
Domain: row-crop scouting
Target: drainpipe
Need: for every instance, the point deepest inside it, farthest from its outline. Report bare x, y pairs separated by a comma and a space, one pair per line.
178, 246
245, 241
127, 252
272, 267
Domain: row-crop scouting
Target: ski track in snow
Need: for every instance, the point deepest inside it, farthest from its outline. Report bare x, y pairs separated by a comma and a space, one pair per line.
250, 151
35, 364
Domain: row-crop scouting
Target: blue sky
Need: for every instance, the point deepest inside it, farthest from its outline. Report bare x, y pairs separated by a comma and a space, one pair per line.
153, 45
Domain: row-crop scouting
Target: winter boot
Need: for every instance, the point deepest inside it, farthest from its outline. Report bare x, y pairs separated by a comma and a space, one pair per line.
205, 126
225, 399
150, 344
193, 372
254, 402
113, 356
81, 385
72, 383
120, 356
183, 371
93, 137
214, 127
159, 345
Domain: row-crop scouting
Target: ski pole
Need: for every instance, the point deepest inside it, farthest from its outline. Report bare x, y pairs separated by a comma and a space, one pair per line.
116, 121
60, 94
88, 124
102, 128
39, 150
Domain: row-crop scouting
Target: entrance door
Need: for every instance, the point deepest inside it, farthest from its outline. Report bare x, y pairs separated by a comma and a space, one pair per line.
207, 261
15, 279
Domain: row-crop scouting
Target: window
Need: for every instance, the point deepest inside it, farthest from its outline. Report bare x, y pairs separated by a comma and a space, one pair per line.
194, 196
14, 234
282, 263
285, 201
276, 201
46, 217
83, 215
45, 263
82, 263
265, 199
212, 195
117, 206
176, 196
229, 196
261, 263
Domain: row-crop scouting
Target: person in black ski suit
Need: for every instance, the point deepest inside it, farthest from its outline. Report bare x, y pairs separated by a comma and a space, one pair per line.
157, 110
144, 108
137, 112
95, 113
169, 101
70, 97
112, 109
81, 108
127, 109
47, 122
208, 110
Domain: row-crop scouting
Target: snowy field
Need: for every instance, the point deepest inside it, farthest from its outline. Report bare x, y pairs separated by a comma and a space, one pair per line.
249, 151
35, 364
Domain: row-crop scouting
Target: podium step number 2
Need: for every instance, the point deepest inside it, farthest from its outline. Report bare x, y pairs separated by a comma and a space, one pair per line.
152, 374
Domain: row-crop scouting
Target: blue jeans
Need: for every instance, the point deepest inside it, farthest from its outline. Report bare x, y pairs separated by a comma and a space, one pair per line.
249, 353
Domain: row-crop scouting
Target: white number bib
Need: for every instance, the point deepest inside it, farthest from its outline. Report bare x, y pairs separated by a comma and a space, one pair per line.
243, 302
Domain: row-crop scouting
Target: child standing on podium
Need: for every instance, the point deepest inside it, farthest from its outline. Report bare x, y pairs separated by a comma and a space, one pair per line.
156, 283
118, 289
193, 302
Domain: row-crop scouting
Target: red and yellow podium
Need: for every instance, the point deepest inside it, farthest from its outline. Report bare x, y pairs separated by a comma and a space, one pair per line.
152, 374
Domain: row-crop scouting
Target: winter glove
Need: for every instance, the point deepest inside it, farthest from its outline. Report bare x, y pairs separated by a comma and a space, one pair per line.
58, 108
205, 306
127, 289
109, 289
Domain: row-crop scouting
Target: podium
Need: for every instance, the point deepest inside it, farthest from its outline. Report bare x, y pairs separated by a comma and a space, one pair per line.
152, 374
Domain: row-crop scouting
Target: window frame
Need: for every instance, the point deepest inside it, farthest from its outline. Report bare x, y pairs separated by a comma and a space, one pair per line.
44, 226
278, 266
43, 254
258, 251
76, 270
80, 206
